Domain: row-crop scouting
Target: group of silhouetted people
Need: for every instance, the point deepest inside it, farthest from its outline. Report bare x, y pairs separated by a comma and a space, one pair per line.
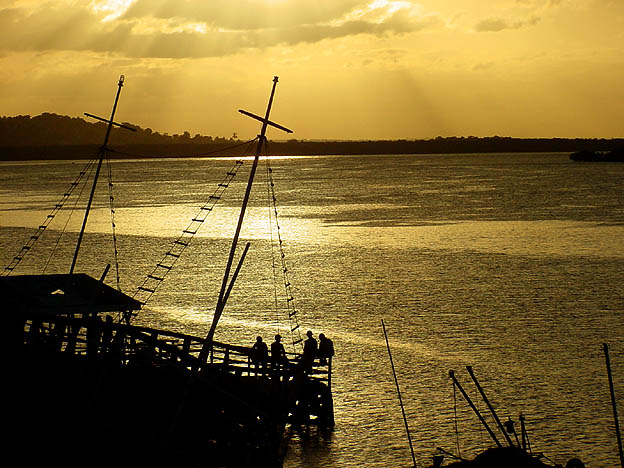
324, 350
260, 355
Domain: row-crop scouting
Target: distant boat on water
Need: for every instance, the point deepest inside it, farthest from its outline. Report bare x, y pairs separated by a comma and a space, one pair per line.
617, 155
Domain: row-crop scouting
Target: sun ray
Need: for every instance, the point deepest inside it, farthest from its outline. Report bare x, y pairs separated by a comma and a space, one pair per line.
112, 8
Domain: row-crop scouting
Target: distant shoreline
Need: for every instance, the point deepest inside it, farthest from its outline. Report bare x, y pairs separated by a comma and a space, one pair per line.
450, 145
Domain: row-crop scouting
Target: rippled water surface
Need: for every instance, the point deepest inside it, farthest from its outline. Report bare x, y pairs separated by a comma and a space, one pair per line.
510, 263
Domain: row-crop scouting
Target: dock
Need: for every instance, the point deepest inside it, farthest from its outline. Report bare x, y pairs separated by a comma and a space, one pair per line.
83, 377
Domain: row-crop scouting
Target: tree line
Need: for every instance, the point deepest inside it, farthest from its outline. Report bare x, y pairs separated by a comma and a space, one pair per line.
49, 129
52, 136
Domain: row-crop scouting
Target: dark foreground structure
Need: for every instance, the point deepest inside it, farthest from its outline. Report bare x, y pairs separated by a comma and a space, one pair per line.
87, 390
506, 457
512, 450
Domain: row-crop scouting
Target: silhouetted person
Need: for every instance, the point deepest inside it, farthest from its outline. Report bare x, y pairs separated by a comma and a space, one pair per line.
325, 349
259, 354
310, 347
278, 355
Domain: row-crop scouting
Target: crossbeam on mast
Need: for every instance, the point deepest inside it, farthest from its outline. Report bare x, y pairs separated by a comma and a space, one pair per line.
257, 117
132, 129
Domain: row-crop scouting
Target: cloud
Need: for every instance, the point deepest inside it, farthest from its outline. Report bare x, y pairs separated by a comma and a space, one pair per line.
244, 14
198, 28
540, 3
483, 66
500, 24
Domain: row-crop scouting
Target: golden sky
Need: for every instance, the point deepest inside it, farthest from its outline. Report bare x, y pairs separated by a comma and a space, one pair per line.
349, 69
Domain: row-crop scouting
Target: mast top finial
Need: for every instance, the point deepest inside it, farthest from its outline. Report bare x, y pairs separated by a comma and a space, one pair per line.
275, 79
121, 80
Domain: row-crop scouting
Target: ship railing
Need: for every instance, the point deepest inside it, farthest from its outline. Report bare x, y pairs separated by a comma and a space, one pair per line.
129, 344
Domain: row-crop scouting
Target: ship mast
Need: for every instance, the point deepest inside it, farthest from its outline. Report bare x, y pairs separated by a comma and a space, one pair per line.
102, 152
225, 289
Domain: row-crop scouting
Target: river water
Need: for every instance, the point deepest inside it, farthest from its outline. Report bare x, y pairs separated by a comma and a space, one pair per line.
509, 263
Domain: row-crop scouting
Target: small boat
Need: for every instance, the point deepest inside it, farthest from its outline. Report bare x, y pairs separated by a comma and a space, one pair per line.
509, 452
617, 155
93, 389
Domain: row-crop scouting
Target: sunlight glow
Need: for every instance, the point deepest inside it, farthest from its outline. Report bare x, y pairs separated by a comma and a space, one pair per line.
379, 11
167, 26
522, 68
114, 8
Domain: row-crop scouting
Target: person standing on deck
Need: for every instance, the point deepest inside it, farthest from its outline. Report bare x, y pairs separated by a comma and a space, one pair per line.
278, 355
260, 354
310, 348
325, 349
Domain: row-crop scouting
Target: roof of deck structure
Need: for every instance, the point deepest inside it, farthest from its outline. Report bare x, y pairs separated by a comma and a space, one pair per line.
63, 294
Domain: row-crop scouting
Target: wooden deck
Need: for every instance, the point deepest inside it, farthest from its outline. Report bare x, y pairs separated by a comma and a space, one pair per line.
128, 346
85, 337
91, 378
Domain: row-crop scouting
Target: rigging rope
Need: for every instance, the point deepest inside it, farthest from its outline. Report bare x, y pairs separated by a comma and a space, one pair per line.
154, 279
207, 153
111, 201
291, 308
71, 213
272, 244
43, 226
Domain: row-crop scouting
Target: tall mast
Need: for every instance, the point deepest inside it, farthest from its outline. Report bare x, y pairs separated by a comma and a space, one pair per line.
102, 151
224, 285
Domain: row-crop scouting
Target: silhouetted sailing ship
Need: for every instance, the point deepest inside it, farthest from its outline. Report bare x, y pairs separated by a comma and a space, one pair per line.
92, 389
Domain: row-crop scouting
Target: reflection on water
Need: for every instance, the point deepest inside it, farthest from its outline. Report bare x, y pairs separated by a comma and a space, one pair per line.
509, 263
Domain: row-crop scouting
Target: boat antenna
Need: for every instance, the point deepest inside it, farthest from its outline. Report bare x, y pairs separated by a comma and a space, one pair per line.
474, 408
102, 152
226, 276
396, 382
605, 348
489, 405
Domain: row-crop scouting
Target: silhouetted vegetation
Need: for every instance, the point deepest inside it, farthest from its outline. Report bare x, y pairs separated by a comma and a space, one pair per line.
52, 136
444, 145
53, 129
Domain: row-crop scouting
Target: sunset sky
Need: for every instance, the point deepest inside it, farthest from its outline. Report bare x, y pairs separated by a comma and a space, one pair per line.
349, 69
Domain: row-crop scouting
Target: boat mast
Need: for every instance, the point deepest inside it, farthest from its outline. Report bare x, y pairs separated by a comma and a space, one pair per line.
102, 151
224, 285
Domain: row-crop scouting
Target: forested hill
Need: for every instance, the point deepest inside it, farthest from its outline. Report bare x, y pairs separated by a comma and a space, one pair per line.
52, 136
60, 130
